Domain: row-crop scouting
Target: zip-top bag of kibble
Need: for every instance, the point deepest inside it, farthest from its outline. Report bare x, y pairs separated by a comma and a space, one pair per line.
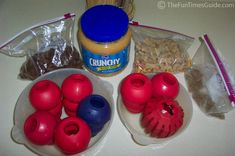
47, 46
160, 50
211, 81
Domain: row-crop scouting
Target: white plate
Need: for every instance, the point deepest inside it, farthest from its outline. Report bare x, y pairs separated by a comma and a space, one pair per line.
23, 109
132, 121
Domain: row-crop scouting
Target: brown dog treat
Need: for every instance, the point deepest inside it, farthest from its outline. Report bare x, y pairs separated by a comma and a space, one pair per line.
43, 62
194, 80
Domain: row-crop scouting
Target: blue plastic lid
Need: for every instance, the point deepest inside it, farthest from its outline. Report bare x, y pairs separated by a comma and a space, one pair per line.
104, 23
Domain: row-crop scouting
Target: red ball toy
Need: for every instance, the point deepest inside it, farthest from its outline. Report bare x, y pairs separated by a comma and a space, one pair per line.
162, 117
69, 112
136, 90
75, 87
72, 135
45, 95
39, 128
165, 85
56, 111
70, 105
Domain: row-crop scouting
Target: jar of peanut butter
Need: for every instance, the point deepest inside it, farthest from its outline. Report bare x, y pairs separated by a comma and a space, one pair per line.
104, 39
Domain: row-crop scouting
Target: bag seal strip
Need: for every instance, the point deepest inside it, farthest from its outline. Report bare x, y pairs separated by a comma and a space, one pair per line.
221, 69
134, 23
65, 16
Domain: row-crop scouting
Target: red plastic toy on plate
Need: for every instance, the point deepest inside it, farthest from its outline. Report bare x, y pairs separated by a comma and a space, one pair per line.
56, 111
39, 128
75, 87
72, 135
69, 112
165, 85
136, 90
45, 95
69, 105
162, 117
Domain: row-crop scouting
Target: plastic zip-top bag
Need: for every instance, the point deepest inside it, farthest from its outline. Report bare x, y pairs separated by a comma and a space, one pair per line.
158, 50
211, 81
47, 46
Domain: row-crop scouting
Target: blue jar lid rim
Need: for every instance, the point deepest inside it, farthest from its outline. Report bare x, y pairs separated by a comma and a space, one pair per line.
104, 23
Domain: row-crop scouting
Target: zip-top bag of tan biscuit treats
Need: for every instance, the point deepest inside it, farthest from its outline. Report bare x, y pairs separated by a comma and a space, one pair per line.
47, 46
211, 81
158, 50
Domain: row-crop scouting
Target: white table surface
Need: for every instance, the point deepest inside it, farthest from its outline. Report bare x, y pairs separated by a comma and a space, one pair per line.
205, 136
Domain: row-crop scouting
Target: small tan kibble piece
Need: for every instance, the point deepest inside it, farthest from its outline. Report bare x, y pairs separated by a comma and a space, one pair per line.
155, 55
194, 79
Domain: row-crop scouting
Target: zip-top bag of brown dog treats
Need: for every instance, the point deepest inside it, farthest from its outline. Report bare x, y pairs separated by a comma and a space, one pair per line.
47, 46
211, 81
158, 50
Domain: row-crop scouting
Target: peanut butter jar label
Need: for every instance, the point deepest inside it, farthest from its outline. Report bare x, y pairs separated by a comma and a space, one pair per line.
105, 64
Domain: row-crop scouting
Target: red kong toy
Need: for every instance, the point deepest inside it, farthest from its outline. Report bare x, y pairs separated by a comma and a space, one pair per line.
69, 105
69, 112
162, 117
136, 90
165, 85
39, 128
45, 95
56, 111
72, 135
75, 87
